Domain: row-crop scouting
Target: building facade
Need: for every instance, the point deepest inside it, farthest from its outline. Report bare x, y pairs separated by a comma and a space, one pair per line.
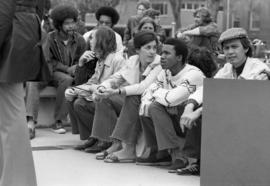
127, 8
253, 15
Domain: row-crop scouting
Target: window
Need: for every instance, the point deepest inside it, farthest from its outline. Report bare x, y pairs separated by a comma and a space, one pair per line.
183, 5
192, 5
162, 7
235, 21
189, 6
255, 22
196, 5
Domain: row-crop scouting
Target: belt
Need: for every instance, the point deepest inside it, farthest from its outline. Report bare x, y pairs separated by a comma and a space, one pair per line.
27, 9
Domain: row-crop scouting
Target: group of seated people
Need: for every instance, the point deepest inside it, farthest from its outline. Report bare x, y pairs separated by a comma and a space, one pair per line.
156, 92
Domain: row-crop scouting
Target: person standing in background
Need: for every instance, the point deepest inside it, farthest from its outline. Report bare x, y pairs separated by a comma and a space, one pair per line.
21, 59
133, 21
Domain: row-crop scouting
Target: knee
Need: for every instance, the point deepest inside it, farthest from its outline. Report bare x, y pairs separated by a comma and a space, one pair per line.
67, 81
154, 107
102, 103
78, 104
131, 100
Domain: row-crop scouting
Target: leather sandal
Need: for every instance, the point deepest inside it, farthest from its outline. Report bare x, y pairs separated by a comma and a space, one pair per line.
112, 158
102, 155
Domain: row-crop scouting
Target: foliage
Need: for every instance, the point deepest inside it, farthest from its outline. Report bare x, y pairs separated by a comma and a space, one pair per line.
87, 6
213, 6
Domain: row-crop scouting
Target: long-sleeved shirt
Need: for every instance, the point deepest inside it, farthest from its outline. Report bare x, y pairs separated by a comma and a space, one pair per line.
208, 36
171, 90
63, 55
252, 68
129, 76
105, 68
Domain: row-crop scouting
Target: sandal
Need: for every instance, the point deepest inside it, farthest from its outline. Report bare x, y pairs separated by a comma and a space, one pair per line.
102, 155
193, 169
114, 159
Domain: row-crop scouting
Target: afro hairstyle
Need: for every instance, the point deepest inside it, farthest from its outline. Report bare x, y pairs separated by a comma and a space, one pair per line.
62, 12
108, 11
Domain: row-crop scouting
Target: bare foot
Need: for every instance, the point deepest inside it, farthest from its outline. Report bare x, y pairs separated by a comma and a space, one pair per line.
114, 147
127, 152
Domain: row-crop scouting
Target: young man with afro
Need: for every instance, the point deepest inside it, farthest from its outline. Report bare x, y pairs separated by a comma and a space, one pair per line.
106, 16
63, 48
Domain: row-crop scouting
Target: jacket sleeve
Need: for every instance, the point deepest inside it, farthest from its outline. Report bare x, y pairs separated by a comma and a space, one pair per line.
7, 10
139, 88
115, 80
80, 50
53, 55
209, 30
197, 96
180, 93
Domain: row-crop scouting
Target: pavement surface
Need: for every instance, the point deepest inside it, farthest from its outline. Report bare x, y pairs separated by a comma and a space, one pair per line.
57, 164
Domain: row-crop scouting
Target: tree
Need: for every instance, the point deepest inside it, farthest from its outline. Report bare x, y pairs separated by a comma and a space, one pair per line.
213, 6
176, 10
87, 6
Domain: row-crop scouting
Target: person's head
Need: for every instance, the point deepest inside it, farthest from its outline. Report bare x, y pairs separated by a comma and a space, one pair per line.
107, 16
201, 57
202, 16
174, 54
48, 22
64, 18
103, 42
154, 14
235, 45
142, 5
145, 43
147, 23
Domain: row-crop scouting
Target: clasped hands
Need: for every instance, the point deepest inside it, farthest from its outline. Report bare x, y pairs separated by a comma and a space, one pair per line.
103, 93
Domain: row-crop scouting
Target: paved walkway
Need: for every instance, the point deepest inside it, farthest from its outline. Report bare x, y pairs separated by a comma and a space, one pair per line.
57, 164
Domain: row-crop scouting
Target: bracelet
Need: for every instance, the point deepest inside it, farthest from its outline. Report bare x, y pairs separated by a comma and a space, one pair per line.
119, 91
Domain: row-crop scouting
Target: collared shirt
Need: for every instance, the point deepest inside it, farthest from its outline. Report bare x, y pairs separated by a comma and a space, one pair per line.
105, 68
238, 70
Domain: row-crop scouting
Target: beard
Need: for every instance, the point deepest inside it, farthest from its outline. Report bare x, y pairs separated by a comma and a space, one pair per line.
68, 33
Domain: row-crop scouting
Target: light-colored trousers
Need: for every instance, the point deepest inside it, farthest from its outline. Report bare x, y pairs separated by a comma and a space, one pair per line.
16, 160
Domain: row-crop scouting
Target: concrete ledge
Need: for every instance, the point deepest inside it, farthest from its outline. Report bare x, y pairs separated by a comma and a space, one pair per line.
48, 92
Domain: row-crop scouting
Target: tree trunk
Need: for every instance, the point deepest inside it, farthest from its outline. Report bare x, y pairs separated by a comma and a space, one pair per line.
213, 6
176, 10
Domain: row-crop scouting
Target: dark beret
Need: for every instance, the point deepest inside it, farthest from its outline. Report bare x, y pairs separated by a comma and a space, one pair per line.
108, 11
143, 37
